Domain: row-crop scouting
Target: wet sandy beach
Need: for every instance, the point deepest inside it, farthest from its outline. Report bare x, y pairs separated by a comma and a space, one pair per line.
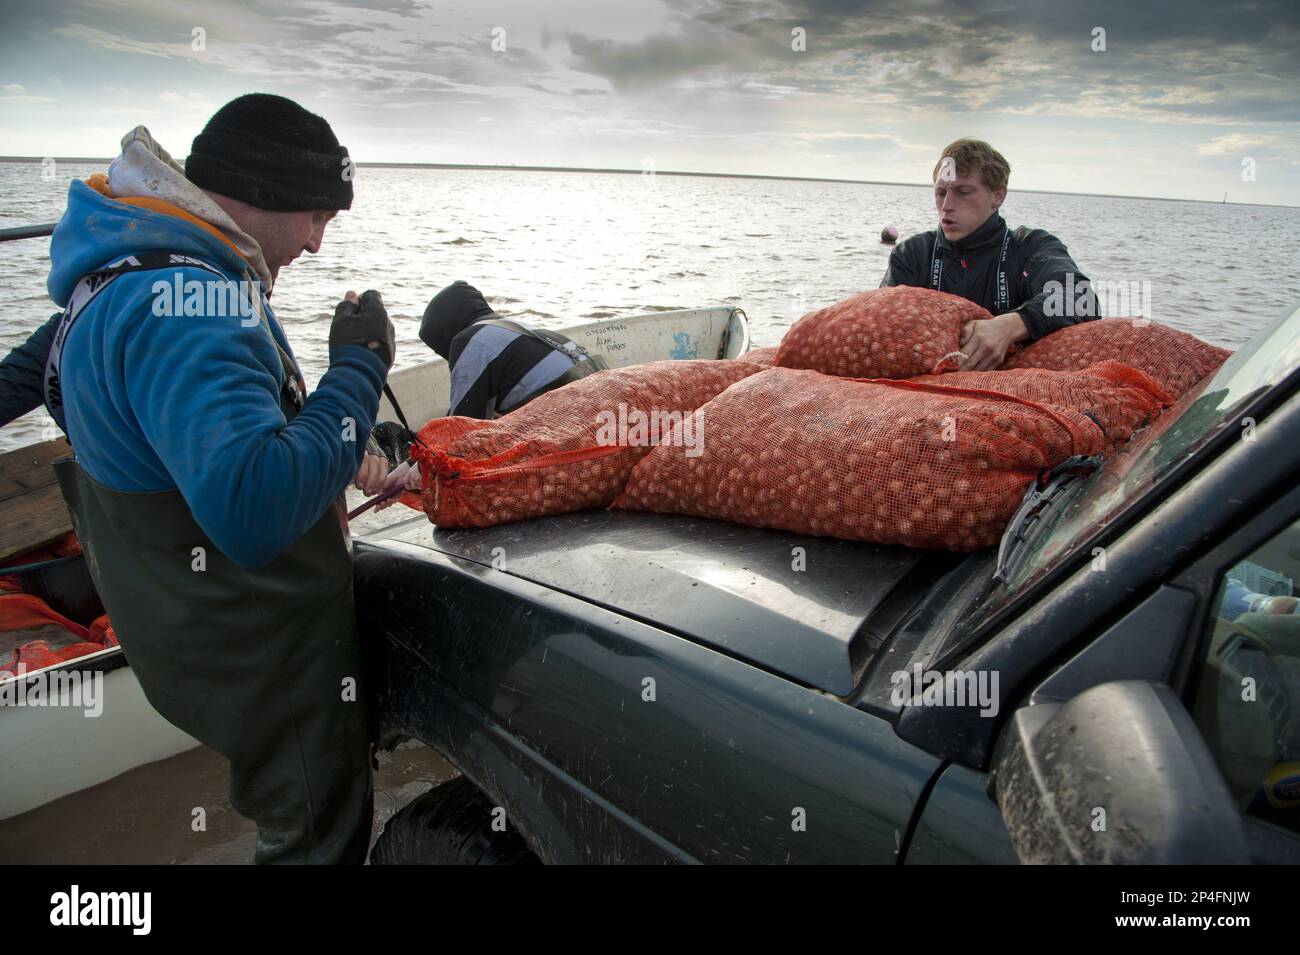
147, 815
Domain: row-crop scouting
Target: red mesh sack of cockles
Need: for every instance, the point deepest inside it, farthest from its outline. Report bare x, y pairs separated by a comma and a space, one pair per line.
896, 332
1120, 399
567, 450
1175, 359
896, 462
765, 356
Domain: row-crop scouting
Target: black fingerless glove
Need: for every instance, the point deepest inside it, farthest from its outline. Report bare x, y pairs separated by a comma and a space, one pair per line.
394, 441
366, 325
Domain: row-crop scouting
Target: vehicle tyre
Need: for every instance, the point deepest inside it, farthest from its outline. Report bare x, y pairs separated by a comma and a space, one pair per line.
451, 824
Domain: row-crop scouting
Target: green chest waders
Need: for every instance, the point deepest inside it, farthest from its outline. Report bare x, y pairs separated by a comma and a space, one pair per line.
263, 665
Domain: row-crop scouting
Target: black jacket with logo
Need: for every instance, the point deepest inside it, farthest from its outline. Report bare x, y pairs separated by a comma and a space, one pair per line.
970, 267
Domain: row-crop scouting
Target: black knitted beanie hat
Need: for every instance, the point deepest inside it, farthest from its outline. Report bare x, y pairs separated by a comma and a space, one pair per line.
271, 153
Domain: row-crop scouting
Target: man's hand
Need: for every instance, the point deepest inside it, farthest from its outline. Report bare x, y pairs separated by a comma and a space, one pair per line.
407, 474
364, 321
985, 342
371, 476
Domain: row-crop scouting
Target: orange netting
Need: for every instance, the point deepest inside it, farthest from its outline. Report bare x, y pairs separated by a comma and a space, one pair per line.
567, 450
21, 612
102, 632
24, 612
893, 332
1119, 398
37, 654
1175, 359
762, 356
896, 462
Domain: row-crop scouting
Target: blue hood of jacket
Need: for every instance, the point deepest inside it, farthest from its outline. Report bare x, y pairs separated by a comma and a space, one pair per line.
96, 230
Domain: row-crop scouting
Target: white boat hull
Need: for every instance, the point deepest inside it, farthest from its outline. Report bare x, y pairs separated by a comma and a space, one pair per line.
49, 751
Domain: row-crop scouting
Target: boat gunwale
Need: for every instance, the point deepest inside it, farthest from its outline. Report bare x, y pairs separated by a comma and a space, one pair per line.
111, 658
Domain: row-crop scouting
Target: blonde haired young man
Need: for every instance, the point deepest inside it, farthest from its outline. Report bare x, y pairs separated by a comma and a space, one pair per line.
1025, 277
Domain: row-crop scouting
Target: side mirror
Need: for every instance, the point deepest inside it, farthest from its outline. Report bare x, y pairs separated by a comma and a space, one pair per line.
1120, 774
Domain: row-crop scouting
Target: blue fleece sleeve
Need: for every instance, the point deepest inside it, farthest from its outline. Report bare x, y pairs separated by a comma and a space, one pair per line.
22, 373
205, 392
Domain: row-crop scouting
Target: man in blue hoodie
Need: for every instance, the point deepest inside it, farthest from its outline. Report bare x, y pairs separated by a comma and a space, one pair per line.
207, 483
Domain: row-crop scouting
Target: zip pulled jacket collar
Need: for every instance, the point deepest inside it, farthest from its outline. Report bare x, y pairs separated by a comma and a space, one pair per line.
989, 234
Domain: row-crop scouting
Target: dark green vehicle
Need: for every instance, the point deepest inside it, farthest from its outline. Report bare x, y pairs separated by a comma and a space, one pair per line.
1118, 682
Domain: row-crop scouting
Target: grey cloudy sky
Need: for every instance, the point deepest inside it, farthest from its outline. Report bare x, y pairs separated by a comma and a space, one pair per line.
1181, 96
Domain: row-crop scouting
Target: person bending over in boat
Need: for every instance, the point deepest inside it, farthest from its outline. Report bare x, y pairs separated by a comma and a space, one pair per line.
1025, 277
206, 482
497, 364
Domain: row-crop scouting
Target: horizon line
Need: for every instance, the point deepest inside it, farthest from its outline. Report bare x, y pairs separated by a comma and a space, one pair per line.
503, 167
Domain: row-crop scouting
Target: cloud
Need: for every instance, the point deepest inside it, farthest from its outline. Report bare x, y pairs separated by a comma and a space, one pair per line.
1235, 143
404, 8
189, 98
1192, 63
104, 40
1164, 62
653, 60
897, 141
878, 82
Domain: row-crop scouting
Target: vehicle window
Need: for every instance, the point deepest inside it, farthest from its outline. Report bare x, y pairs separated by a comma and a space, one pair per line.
1247, 689
1216, 405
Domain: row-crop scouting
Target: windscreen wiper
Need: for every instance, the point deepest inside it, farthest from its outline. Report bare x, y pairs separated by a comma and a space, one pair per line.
1045, 492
